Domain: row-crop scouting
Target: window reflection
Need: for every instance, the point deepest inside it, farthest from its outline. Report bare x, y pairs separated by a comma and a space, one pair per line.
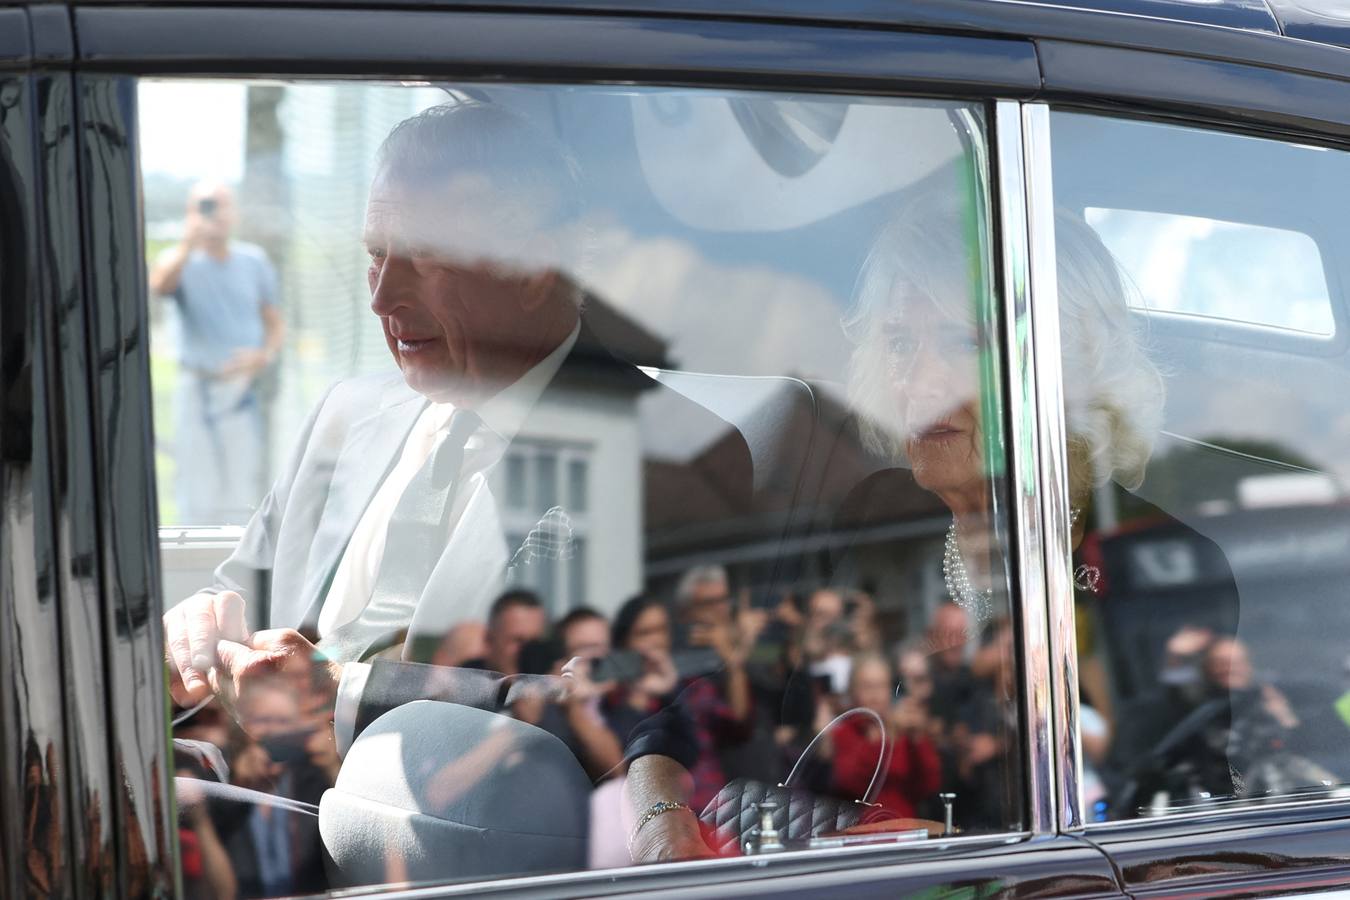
607, 494
1208, 569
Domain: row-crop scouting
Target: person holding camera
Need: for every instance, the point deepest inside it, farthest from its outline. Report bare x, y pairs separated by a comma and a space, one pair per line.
229, 331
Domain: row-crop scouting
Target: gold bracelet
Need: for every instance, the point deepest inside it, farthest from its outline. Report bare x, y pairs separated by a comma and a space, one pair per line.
652, 812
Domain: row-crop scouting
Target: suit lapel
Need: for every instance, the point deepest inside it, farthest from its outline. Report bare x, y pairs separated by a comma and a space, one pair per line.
372, 447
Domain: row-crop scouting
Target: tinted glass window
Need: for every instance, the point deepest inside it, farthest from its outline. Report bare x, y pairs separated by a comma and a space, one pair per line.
1206, 464
1221, 270
548, 458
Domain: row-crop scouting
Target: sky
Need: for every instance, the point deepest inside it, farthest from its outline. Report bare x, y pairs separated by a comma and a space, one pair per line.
175, 115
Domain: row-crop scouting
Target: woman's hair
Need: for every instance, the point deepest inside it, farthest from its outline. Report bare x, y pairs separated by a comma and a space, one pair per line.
933, 252
627, 617
1113, 393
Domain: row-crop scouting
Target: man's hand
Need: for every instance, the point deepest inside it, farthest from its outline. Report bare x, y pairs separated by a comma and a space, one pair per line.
192, 629
1277, 706
246, 361
277, 656
197, 229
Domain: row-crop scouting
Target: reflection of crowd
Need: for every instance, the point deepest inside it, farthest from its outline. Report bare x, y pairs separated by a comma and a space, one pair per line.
757, 682
1209, 727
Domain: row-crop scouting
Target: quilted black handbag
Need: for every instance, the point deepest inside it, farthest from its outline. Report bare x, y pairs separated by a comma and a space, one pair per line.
731, 818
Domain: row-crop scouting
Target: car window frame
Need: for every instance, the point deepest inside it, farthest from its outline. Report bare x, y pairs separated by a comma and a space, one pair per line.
974, 69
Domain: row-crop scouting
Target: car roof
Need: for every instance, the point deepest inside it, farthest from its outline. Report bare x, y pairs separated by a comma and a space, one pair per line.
1207, 27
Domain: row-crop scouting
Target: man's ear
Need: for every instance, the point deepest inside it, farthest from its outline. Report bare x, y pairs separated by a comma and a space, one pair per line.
540, 287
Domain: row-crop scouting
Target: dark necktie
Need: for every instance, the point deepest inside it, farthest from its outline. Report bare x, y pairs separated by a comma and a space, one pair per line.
416, 538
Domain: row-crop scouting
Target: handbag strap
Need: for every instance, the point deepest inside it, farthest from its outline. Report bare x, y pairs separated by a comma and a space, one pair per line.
883, 758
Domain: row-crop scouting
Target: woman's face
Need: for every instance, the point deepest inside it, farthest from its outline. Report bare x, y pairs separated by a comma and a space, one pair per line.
916, 678
651, 631
933, 363
870, 687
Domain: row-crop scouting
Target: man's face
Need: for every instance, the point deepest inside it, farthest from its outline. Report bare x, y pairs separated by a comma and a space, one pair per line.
824, 608
588, 638
218, 214
510, 631
710, 604
451, 283
269, 711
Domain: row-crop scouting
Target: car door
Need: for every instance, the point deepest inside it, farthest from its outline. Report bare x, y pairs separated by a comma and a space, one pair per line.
1208, 663
290, 105
68, 786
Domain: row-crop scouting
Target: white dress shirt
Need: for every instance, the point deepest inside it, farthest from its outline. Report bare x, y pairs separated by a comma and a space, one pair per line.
354, 581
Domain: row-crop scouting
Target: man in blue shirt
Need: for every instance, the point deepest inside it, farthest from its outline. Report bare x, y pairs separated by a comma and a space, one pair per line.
230, 330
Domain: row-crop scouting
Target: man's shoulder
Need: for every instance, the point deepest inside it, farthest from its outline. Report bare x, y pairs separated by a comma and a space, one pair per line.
250, 254
248, 250
371, 391
358, 396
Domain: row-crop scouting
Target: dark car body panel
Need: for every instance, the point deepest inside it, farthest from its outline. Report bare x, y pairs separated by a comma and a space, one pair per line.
1276, 851
79, 633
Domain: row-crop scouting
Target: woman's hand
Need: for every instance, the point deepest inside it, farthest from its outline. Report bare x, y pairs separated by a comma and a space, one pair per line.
670, 837
581, 688
908, 717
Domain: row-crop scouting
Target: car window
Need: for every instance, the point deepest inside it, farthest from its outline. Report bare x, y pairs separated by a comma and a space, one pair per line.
1234, 271
1206, 467
542, 468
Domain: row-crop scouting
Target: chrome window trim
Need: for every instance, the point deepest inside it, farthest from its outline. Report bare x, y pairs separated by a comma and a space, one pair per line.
599, 882
1254, 813
1039, 467
1024, 492
1053, 466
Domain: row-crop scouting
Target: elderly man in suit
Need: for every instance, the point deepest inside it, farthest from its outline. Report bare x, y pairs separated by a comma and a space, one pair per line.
382, 532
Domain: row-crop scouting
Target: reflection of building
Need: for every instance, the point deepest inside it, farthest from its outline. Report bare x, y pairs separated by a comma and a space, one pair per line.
584, 453
810, 522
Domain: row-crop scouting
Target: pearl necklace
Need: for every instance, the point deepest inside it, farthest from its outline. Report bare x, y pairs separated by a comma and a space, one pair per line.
977, 602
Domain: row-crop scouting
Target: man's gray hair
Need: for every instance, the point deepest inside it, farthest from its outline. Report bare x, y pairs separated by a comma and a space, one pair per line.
692, 579
478, 138
518, 160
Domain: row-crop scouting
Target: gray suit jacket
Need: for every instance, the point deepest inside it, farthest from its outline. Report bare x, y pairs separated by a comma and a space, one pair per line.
291, 548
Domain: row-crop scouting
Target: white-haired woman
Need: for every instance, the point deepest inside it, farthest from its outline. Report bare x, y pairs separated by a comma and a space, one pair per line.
916, 376
922, 386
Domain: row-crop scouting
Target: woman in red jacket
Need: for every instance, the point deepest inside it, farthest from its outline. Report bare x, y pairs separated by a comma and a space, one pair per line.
915, 771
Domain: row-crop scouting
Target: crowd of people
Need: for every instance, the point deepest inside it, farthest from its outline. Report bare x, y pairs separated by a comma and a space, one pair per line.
757, 683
